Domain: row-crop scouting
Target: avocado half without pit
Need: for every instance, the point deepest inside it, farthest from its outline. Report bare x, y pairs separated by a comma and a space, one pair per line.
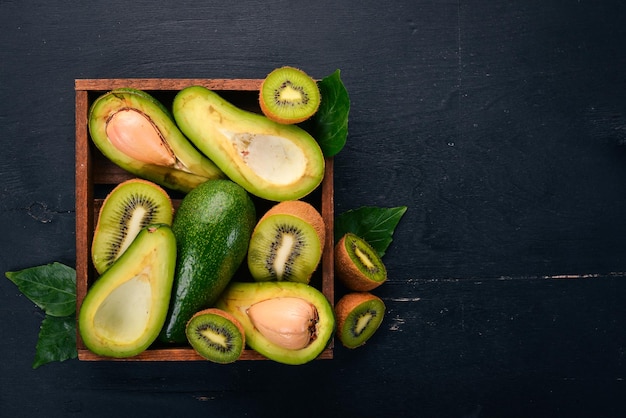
125, 309
136, 132
287, 322
271, 160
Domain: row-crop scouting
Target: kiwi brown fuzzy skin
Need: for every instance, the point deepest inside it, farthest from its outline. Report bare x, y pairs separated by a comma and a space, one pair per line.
345, 306
223, 314
349, 273
275, 115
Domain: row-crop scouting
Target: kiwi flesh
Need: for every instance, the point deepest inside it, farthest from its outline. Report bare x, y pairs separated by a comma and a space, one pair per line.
287, 243
129, 207
216, 335
359, 315
288, 95
357, 265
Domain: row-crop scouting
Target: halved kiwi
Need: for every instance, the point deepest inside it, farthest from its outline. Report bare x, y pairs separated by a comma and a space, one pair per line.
359, 314
129, 207
357, 265
288, 95
216, 335
287, 243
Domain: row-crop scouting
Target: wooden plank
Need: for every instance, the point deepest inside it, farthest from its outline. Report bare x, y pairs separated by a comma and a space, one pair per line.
328, 214
84, 198
167, 84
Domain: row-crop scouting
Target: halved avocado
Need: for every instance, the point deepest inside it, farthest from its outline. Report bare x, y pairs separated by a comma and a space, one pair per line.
125, 309
267, 311
136, 132
271, 160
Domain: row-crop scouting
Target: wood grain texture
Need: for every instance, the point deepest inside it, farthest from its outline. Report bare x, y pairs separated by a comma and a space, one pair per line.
499, 124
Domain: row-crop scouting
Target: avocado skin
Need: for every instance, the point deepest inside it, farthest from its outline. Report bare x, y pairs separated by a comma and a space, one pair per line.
155, 243
239, 296
194, 167
212, 226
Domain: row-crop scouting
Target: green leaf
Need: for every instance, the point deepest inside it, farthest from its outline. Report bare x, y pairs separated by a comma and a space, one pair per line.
52, 287
329, 126
57, 340
375, 225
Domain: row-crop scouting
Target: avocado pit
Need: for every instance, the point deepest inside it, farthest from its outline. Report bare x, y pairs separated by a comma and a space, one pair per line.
134, 134
289, 322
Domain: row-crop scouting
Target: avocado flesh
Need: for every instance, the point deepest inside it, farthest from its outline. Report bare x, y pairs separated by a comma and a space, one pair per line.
271, 160
125, 309
240, 296
154, 148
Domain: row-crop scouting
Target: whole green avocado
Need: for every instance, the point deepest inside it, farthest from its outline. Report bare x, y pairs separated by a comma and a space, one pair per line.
212, 226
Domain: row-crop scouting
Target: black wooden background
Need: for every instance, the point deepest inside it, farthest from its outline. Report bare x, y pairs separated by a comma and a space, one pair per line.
500, 124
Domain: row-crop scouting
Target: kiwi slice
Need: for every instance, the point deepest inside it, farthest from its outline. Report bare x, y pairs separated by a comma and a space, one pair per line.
287, 243
359, 314
288, 95
129, 207
357, 265
216, 335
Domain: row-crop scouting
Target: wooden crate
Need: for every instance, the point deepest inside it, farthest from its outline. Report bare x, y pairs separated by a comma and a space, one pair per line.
96, 176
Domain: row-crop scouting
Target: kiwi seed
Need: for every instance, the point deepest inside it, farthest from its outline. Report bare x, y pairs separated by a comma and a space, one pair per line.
129, 207
288, 95
357, 265
359, 314
287, 243
216, 335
